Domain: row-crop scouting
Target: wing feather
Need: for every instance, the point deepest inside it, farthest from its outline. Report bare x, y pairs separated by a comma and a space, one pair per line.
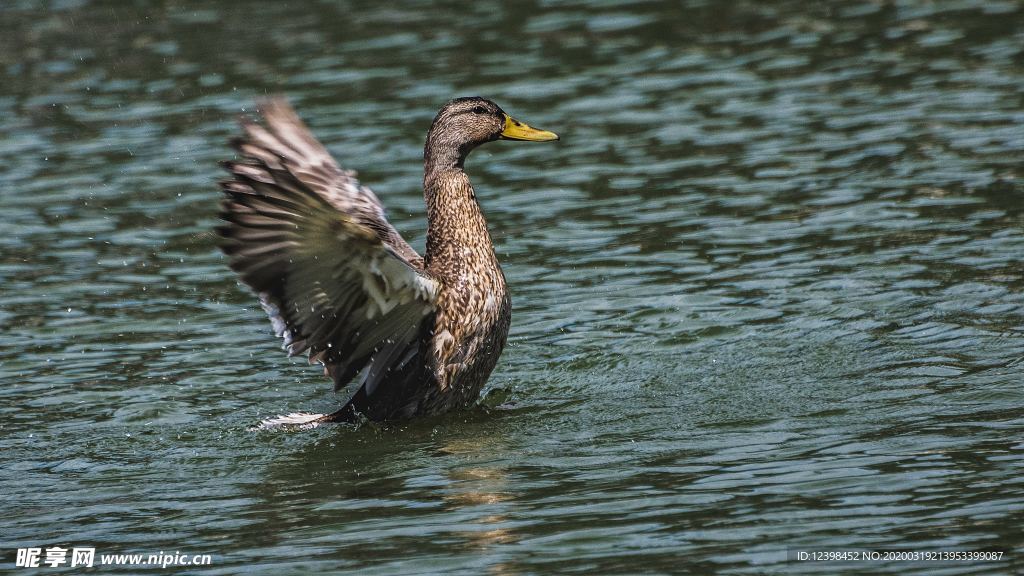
337, 280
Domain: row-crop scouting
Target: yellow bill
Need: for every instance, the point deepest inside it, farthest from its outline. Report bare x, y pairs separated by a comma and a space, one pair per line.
516, 130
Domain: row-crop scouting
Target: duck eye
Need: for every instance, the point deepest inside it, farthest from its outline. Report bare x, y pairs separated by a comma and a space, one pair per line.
480, 110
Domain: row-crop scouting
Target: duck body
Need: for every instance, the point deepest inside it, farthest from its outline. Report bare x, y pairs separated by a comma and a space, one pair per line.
465, 336
416, 335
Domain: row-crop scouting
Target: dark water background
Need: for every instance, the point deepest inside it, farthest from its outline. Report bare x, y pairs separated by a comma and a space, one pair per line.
768, 290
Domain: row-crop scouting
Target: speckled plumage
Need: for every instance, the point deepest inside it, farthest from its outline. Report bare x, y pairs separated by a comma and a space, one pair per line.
418, 335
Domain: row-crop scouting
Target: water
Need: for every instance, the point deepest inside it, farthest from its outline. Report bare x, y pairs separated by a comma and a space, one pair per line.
768, 289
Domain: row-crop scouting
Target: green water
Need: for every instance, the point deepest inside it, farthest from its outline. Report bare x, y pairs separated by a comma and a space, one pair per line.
768, 289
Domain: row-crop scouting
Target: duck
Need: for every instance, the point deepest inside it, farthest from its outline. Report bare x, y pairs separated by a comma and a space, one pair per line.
410, 335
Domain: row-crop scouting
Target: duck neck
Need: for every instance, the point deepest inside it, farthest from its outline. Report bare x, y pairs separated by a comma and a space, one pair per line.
440, 154
457, 237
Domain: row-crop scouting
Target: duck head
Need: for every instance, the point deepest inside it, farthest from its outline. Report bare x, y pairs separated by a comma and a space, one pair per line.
465, 123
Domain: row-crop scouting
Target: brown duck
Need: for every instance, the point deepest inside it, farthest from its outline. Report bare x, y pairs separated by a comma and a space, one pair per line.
417, 335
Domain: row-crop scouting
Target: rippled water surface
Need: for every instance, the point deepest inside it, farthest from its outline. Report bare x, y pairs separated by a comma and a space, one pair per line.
768, 289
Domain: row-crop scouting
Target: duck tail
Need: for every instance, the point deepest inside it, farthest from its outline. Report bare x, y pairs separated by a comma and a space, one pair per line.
299, 420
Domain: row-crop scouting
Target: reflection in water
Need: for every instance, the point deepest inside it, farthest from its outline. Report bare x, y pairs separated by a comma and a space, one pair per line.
341, 480
479, 485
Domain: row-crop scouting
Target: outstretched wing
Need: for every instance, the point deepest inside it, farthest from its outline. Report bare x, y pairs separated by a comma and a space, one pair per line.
333, 274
